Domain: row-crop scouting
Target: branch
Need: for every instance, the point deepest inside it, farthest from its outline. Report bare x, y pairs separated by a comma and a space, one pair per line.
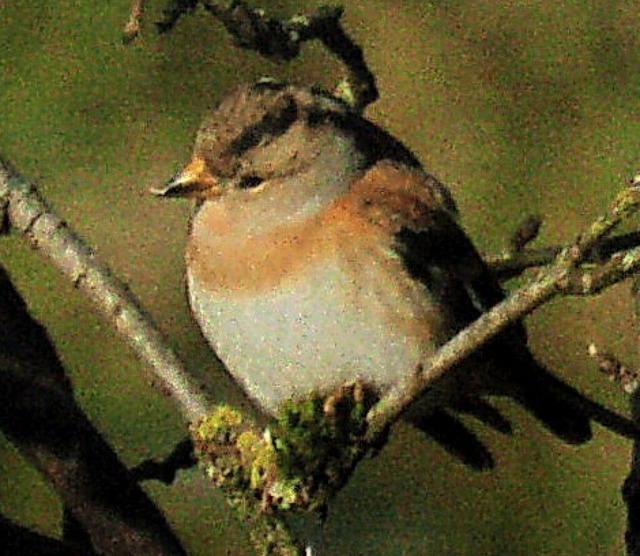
26, 212
280, 39
513, 263
253, 29
592, 281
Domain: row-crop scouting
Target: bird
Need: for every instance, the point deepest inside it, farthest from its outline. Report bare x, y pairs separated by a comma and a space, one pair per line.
320, 251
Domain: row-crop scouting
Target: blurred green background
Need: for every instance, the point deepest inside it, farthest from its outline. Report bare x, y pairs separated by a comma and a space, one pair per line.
521, 107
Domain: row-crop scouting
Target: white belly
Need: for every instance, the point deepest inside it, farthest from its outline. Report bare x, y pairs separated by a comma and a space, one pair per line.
313, 333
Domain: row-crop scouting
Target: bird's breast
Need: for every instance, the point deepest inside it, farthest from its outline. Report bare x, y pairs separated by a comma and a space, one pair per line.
308, 305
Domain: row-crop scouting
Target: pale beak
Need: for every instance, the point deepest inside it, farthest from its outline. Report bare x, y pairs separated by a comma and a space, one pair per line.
194, 180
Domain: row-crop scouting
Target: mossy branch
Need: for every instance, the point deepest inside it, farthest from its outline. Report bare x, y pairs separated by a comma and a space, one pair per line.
298, 463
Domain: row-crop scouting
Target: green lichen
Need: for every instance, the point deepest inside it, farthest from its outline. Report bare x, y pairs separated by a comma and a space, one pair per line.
344, 91
258, 458
219, 425
214, 438
298, 462
319, 440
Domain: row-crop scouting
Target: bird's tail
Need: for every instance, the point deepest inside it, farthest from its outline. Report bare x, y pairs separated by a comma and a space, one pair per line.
561, 408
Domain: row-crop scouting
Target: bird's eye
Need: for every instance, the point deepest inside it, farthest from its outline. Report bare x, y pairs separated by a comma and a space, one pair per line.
249, 182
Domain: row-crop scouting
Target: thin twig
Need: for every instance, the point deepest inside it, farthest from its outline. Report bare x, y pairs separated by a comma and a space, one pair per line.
510, 264
281, 39
590, 281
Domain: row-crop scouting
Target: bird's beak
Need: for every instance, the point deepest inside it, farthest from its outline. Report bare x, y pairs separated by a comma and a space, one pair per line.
194, 180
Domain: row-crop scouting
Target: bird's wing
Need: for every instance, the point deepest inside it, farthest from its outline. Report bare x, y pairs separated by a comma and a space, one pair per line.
437, 252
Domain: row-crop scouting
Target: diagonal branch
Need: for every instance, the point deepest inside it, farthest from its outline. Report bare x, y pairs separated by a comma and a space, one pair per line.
27, 213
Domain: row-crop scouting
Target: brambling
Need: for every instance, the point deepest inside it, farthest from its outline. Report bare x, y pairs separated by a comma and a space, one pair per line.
321, 252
